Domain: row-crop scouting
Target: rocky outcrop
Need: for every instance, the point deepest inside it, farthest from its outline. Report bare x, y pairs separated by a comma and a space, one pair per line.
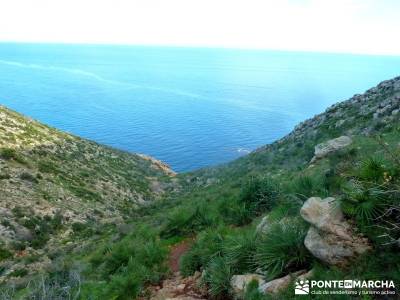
361, 114
240, 282
328, 147
158, 164
330, 238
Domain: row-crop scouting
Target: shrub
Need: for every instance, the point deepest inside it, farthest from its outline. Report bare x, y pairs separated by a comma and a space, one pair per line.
362, 201
260, 195
306, 186
252, 292
28, 177
47, 167
371, 169
131, 263
62, 284
187, 220
5, 176
123, 286
19, 273
235, 212
239, 250
209, 244
4, 254
218, 277
8, 153
282, 248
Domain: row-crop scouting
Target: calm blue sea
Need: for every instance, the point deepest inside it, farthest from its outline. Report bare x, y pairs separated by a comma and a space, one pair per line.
189, 107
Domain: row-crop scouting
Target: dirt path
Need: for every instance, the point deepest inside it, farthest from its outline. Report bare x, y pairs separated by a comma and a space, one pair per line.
175, 287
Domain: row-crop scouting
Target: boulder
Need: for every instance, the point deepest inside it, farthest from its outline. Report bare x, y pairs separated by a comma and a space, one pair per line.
239, 282
277, 285
325, 215
323, 149
330, 238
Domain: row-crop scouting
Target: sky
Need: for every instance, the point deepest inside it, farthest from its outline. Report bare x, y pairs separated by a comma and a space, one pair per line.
351, 26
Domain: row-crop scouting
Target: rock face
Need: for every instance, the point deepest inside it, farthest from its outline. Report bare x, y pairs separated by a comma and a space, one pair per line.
239, 282
324, 149
330, 238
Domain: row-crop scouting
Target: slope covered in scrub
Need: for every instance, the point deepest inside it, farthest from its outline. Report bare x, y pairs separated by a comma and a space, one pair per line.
55, 187
244, 217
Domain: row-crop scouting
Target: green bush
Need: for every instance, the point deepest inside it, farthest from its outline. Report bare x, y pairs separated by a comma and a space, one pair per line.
47, 167
372, 169
42, 228
123, 286
5, 176
235, 212
282, 249
8, 153
306, 186
239, 250
28, 177
188, 220
18, 273
260, 195
209, 244
218, 278
4, 254
363, 201
252, 292
131, 263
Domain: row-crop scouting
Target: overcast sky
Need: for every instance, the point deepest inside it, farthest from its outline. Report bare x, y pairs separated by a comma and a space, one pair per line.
355, 26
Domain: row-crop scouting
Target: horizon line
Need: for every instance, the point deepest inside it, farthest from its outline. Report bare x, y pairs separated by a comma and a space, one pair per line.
244, 48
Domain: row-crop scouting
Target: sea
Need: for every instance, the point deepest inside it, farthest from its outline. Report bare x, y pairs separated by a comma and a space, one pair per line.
189, 107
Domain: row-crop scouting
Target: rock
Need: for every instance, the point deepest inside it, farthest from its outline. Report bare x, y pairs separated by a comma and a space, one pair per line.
339, 123
264, 225
325, 215
323, 149
305, 276
239, 282
330, 238
276, 285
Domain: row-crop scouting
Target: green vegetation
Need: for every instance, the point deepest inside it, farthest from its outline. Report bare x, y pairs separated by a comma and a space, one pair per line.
128, 265
106, 247
281, 250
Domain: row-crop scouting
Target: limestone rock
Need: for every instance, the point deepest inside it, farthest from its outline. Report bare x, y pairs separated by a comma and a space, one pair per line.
263, 226
325, 215
323, 149
276, 285
330, 238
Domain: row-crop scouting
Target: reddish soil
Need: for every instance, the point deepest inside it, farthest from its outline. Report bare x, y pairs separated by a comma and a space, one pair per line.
175, 287
177, 251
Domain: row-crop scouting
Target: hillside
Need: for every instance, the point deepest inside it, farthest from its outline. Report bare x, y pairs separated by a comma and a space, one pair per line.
54, 187
321, 203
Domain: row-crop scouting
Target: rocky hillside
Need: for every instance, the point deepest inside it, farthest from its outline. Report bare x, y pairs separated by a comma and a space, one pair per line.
54, 186
321, 203
373, 112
